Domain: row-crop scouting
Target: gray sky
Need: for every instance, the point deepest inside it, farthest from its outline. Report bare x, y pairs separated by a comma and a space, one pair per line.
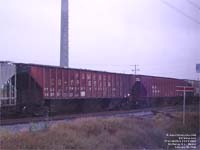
106, 35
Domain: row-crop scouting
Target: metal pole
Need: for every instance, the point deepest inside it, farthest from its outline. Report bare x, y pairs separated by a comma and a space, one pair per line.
1, 84
135, 70
15, 87
199, 98
10, 92
184, 107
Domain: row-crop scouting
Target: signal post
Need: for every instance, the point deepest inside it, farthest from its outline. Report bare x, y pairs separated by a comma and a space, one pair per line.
184, 89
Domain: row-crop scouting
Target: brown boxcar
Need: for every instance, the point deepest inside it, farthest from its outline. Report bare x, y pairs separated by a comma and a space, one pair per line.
161, 87
60, 83
81, 87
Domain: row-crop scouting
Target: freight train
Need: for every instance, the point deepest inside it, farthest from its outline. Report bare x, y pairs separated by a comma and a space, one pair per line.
38, 89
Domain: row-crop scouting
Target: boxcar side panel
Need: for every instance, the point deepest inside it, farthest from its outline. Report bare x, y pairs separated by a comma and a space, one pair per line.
94, 84
100, 85
37, 74
104, 85
88, 84
60, 83
161, 87
82, 84
46, 82
113, 83
117, 85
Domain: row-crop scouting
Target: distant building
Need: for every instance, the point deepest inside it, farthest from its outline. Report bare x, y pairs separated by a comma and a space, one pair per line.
64, 53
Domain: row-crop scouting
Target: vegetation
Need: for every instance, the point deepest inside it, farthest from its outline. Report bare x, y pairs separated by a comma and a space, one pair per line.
108, 133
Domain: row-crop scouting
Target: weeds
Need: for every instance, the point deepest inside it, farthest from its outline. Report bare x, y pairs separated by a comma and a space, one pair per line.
110, 133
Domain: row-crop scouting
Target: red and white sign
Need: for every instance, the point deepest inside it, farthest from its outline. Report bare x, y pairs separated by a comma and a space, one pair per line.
184, 89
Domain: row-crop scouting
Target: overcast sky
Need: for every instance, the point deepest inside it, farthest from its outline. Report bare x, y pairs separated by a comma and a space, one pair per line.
161, 36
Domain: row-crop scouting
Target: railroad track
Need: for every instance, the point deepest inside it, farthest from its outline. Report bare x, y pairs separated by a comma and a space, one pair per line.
137, 113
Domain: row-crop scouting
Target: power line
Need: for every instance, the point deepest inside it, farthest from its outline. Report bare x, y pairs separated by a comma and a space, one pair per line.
180, 11
193, 4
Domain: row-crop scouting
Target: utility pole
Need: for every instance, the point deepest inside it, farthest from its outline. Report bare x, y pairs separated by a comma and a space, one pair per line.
135, 69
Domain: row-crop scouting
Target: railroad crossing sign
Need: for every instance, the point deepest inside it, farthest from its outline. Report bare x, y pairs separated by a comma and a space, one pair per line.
184, 89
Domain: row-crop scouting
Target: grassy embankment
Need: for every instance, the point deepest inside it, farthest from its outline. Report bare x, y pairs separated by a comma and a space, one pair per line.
110, 133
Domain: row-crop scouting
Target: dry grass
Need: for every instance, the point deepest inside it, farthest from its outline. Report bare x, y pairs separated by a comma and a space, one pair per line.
102, 134
191, 126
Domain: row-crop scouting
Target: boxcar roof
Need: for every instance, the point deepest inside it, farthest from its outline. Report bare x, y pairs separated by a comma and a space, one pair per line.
51, 66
